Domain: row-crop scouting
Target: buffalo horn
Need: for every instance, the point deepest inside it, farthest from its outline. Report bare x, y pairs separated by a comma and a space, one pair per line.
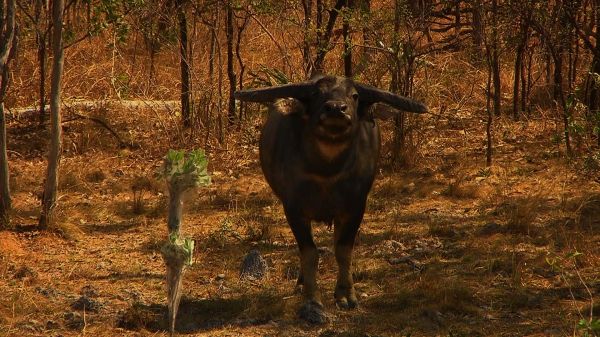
372, 95
264, 95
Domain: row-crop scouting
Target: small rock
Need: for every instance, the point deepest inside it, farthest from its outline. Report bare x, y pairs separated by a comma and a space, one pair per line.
87, 304
364, 295
47, 292
220, 277
254, 266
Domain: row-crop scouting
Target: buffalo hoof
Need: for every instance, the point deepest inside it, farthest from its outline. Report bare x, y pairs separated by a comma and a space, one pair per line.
346, 299
346, 304
313, 313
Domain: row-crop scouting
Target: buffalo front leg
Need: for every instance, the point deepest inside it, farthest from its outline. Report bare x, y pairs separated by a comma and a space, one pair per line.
345, 234
312, 307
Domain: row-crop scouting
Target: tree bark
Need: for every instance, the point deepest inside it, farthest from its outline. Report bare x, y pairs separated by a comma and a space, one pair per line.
519, 60
7, 43
241, 65
396, 85
594, 95
323, 46
186, 113
347, 46
51, 186
477, 25
496, 59
490, 115
307, 6
41, 37
230, 70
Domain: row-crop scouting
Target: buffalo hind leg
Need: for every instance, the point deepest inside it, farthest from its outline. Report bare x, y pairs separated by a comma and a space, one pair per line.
345, 234
312, 307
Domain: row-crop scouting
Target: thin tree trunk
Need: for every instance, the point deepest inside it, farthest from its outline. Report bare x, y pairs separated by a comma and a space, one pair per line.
7, 48
41, 58
490, 115
347, 46
594, 95
219, 119
477, 25
230, 70
241, 65
399, 118
42, 83
518, 71
307, 6
51, 187
186, 113
323, 46
496, 59
5, 200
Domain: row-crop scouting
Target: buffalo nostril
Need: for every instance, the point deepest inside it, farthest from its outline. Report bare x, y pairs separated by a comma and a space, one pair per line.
336, 107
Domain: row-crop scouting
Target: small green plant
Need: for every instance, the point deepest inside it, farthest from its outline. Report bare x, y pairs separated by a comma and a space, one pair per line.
182, 172
589, 327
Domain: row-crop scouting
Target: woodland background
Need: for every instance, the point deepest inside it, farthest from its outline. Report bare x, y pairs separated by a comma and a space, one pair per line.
495, 191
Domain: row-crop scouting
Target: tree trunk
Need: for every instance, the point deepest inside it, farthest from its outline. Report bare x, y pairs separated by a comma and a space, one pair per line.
5, 200
519, 69
51, 187
347, 46
477, 25
396, 85
496, 59
42, 84
41, 36
594, 95
230, 70
7, 15
323, 46
490, 115
241, 65
306, 57
185, 67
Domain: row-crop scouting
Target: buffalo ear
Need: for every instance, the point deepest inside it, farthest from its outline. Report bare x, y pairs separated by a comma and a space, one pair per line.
371, 95
299, 91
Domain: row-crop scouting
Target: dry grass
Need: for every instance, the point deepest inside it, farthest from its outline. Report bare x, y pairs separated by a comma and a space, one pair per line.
422, 265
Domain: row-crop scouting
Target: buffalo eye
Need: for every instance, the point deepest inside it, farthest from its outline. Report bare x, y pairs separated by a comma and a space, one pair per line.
355, 96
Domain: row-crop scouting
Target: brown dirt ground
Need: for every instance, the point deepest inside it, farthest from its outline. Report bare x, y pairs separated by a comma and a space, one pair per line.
447, 247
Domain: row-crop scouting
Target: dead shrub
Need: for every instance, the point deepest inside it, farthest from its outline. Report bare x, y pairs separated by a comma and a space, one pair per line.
96, 176
521, 213
68, 181
461, 190
139, 186
588, 213
262, 231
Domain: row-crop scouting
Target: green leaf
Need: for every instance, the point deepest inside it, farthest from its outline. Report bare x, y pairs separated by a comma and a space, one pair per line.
184, 171
186, 244
573, 255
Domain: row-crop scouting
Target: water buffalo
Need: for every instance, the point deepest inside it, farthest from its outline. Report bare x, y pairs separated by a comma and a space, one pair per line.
319, 154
